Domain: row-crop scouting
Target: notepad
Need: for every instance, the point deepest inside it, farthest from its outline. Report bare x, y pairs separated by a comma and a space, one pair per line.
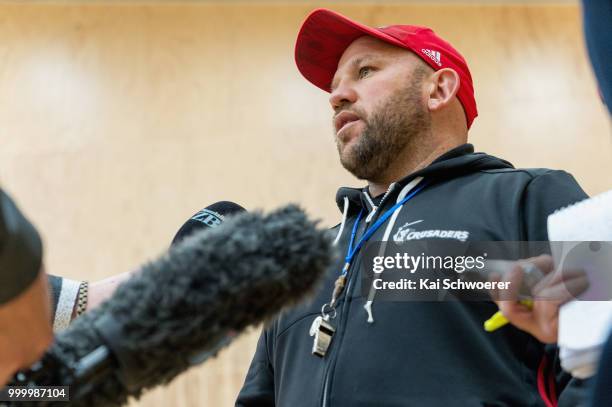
584, 326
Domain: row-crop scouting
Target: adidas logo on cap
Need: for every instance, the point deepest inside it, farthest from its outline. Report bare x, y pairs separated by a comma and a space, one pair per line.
434, 55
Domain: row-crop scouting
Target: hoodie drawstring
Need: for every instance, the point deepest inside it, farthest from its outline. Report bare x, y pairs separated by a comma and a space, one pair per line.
344, 216
402, 195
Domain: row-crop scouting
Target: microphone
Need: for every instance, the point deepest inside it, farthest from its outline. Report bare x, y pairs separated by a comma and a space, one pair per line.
211, 216
176, 309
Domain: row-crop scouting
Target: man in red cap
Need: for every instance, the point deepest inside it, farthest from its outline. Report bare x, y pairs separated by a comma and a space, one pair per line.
375, 87
403, 102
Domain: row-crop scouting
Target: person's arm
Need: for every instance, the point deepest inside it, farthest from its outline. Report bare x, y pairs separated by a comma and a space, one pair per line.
65, 294
258, 388
545, 194
597, 16
602, 389
100, 291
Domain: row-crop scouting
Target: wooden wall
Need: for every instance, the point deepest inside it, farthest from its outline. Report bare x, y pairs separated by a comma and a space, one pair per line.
119, 121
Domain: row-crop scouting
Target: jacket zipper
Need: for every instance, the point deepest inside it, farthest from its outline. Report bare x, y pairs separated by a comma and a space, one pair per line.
382, 201
340, 332
375, 207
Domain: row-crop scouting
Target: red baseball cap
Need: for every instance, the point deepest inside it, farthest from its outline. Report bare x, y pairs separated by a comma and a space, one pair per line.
325, 35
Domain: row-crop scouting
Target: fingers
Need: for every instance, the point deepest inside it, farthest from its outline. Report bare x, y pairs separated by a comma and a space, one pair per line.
546, 322
557, 285
515, 278
559, 277
513, 309
562, 291
544, 263
518, 314
549, 293
494, 277
541, 321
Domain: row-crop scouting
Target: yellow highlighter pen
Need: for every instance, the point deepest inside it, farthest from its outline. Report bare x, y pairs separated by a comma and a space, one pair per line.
498, 319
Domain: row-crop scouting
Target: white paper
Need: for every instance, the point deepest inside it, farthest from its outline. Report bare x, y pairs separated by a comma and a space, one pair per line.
584, 326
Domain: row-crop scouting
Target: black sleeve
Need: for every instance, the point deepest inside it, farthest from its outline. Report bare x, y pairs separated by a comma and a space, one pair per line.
571, 392
602, 389
597, 17
258, 388
546, 193
20, 250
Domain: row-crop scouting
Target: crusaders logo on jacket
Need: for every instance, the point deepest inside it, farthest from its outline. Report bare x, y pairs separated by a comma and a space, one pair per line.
406, 232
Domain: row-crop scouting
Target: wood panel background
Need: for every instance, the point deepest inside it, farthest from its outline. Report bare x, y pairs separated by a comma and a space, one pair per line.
118, 121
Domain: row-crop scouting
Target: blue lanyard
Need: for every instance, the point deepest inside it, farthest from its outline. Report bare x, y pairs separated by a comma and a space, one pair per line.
368, 233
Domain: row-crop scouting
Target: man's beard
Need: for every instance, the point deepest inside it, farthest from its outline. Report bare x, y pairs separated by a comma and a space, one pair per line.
396, 124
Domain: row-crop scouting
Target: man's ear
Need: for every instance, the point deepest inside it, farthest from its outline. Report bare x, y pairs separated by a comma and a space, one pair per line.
444, 87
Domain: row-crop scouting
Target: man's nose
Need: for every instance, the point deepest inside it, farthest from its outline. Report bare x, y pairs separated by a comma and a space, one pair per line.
342, 95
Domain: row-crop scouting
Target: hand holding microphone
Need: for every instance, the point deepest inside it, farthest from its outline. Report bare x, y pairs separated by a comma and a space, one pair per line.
209, 217
176, 309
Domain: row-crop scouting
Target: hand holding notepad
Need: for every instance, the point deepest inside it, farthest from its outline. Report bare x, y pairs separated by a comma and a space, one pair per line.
584, 326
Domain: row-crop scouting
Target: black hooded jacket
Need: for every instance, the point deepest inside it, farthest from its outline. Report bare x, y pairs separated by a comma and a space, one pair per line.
432, 354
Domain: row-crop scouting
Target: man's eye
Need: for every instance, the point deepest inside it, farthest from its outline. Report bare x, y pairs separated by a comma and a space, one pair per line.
364, 71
